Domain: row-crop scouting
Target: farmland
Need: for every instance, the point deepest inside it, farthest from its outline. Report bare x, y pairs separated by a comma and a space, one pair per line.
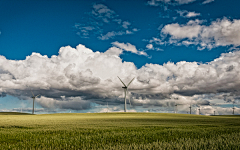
118, 131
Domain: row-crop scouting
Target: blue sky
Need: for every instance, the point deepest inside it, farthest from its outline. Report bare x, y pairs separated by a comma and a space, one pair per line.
71, 52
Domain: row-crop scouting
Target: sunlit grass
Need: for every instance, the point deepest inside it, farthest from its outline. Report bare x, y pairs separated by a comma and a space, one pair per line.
119, 131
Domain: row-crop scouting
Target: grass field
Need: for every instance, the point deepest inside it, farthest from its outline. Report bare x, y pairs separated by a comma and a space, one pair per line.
118, 131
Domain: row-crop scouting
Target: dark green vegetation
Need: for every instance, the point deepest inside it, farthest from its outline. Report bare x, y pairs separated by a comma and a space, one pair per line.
13, 113
119, 131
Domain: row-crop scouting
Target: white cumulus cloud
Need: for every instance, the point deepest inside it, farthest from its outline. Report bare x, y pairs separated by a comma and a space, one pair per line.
190, 30
129, 47
84, 77
222, 32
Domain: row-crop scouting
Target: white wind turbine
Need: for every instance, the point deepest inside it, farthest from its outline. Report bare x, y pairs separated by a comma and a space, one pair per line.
125, 92
199, 110
190, 107
233, 108
33, 101
175, 105
175, 108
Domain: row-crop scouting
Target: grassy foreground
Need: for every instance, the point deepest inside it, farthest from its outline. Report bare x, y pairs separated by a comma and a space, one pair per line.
119, 131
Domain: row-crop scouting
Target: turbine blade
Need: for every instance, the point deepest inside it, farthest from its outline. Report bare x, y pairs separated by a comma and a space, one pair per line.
37, 95
32, 93
130, 82
122, 81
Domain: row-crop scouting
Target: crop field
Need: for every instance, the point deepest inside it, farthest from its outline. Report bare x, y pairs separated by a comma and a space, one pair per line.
118, 131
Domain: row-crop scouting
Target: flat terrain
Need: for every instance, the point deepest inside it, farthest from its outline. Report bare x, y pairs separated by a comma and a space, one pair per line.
118, 131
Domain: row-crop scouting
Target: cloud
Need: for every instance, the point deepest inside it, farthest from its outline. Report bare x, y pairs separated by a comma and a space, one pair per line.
187, 14
190, 30
171, 2
115, 109
100, 22
38, 110
74, 103
112, 34
149, 46
129, 47
103, 12
114, 51
85, 77
125, 24
207, 1
85, 31
219, 33
157, 41
209, 110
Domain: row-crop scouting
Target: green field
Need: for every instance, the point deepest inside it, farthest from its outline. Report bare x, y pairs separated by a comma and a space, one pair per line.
118, 131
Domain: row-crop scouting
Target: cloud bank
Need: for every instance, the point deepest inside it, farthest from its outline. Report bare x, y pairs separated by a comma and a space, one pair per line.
79, 76
222, 32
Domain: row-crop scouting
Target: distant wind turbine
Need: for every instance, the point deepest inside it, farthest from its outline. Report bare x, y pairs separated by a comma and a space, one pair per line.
233, 108
190, 108
199, 111
125, 92
175, 108
33, 101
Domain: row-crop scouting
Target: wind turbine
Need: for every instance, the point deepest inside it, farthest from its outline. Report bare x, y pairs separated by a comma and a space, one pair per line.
175, 105
175, 108
33, 101
233, 108
190, 108
199, 111
125, 87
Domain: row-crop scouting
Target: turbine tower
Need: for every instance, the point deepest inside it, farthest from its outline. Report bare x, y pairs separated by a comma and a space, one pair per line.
190, 109
233, 108
33, 97
125, 87
175, 108
199, 111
